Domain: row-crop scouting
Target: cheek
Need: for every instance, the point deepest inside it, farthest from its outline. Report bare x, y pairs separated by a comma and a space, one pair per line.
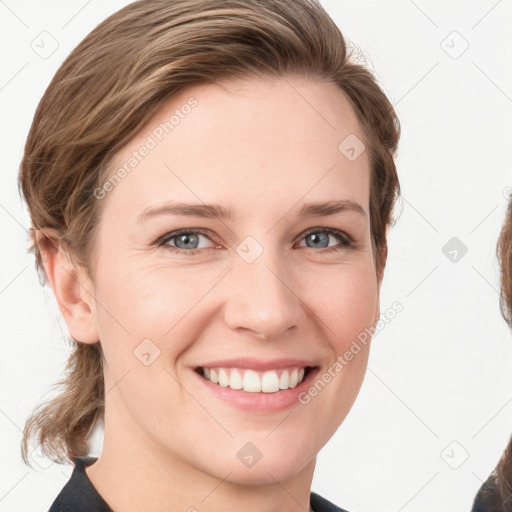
142, 318
155, 303
347, 304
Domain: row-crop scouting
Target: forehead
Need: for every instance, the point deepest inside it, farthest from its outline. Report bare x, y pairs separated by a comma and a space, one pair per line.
248, 144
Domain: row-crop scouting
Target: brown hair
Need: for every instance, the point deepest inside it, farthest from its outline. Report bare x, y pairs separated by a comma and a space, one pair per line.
504, 252
115, 80
496, 493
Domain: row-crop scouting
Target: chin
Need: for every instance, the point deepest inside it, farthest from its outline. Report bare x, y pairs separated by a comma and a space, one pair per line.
280, 465
265, 473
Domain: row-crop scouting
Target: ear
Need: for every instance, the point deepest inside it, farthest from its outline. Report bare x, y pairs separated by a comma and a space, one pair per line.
71, 286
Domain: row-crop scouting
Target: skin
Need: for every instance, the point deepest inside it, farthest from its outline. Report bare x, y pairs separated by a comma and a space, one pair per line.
169, 443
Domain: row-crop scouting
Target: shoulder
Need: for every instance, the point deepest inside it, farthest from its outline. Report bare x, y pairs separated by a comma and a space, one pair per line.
487, 498
320, 504
79, 495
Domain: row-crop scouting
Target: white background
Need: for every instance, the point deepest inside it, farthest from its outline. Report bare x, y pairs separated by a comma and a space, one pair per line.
439, 374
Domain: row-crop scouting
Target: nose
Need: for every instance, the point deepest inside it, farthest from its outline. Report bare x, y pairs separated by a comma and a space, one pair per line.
261, 300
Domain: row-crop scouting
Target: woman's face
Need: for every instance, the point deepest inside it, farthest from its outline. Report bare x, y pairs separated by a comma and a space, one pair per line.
278, 284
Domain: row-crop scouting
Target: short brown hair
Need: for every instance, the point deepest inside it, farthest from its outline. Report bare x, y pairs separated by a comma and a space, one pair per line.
116, 79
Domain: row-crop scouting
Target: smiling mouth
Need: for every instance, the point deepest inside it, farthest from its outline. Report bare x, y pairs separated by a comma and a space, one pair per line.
252, 381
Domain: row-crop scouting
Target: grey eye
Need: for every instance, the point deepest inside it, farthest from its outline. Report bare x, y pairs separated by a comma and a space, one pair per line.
187, 241
319, 240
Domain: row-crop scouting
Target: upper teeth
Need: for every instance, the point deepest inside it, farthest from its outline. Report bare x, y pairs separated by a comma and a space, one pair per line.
253, 381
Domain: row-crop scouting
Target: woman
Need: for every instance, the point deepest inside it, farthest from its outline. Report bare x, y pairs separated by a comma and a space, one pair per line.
494, 495
242, 129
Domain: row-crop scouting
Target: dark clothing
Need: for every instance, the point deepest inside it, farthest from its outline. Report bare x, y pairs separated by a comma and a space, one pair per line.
79, 495
487, 498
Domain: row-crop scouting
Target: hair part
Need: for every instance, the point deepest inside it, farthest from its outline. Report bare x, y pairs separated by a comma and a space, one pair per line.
115, 80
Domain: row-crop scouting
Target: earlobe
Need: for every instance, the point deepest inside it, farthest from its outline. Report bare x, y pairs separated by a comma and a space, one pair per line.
74, 295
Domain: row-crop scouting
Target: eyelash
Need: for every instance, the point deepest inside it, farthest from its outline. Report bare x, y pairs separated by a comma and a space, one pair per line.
346, 240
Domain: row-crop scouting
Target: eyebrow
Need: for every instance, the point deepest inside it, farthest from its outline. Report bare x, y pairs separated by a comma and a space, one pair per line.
320, 209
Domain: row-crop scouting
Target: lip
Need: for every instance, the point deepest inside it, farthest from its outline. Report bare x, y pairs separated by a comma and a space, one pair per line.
261, 365
266, 403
